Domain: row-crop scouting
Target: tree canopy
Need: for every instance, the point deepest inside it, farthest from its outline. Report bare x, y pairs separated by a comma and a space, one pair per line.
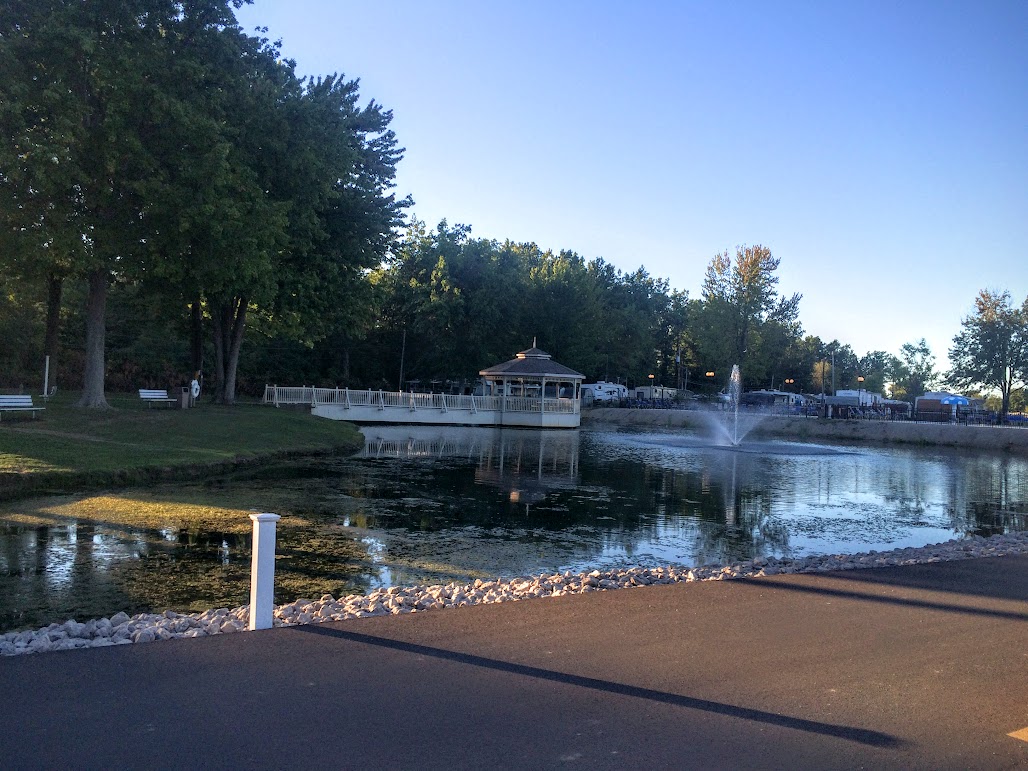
742, 319
991, 349
914, 371
154, 142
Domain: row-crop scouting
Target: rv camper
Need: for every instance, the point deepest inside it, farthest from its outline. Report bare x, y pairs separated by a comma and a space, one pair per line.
603, 391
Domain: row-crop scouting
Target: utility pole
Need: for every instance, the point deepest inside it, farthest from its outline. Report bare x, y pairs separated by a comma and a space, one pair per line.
403, 352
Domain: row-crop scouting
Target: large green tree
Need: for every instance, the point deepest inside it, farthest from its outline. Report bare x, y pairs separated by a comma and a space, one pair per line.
743, 320
276, 198
874, 367
153, 141
914, 372
75, 121
991, 349
799, 365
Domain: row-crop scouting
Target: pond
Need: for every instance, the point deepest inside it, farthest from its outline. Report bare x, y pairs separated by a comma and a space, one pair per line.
431, 505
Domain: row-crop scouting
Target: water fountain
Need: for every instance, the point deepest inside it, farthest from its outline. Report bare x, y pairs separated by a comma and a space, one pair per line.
729, 428
734, 392
724, 428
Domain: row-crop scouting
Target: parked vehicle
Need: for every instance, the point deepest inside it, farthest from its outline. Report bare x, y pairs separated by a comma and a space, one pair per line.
602, 391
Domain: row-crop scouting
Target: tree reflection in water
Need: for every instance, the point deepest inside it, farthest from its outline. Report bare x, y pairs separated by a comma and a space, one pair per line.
428, 505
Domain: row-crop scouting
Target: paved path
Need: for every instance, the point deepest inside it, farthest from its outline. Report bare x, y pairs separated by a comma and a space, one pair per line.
915, 667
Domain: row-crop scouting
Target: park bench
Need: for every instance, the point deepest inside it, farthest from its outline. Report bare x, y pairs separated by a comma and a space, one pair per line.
156, 396
18, 403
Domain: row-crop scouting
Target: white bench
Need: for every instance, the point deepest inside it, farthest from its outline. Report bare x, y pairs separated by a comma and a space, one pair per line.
156, 396
18, 403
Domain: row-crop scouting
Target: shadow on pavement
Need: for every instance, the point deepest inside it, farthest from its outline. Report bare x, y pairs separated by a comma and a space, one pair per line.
1005, 578
859, 735
1009, 615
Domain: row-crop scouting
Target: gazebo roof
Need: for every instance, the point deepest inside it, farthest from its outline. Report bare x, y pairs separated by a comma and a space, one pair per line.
534, 363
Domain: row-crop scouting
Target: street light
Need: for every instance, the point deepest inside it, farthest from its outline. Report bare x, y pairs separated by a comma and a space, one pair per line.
789, 381
652, 396
860, 381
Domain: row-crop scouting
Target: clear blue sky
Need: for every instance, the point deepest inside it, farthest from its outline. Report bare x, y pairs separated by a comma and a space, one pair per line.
880, 149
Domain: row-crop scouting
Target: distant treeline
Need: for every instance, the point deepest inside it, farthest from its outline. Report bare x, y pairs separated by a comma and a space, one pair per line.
445, 305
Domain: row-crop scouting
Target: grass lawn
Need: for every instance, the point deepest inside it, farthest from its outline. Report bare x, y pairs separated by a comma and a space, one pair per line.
134, 435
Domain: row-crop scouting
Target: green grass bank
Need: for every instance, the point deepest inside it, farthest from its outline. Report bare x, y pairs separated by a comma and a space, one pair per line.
68, 449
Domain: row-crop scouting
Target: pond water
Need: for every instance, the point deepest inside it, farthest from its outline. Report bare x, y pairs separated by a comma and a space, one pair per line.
429, 505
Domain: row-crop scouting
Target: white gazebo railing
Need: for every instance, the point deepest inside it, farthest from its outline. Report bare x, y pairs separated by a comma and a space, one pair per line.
346, 397
362, 401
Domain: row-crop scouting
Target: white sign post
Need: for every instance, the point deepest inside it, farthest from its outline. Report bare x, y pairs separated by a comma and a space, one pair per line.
262, 571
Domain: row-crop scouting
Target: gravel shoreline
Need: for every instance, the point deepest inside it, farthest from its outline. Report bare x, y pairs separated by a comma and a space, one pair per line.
121, 629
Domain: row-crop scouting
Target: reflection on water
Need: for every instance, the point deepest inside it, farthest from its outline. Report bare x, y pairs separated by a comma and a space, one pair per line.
525, 465
422, 504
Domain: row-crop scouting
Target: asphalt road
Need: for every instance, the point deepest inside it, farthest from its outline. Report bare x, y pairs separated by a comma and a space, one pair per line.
916, 667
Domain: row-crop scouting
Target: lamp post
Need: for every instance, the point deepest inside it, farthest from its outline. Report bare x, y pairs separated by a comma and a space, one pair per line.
860, 383
789, 381
652, 395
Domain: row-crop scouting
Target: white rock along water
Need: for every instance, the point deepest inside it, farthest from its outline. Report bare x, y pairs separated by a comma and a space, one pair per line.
121, 629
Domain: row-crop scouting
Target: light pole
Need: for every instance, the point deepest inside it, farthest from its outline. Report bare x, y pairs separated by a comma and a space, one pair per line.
652, 395
860, 383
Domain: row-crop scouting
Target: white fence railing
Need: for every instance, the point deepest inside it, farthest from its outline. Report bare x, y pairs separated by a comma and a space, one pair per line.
309, 395
289, 395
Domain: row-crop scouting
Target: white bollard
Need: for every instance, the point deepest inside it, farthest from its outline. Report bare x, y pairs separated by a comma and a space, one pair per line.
262, 571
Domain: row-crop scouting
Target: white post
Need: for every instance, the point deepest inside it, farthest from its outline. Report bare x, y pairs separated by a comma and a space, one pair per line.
46, 378
262, 571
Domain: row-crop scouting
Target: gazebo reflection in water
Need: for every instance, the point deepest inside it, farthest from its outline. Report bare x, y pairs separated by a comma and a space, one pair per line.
525, 463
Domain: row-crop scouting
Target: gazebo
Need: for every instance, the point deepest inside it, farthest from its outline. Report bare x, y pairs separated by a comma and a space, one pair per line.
535, 390
531, 391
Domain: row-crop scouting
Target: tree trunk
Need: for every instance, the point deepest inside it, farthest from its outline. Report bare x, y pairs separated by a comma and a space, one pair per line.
218, 333
235, 346
196, 335
54, 290
229, 323
96, 312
